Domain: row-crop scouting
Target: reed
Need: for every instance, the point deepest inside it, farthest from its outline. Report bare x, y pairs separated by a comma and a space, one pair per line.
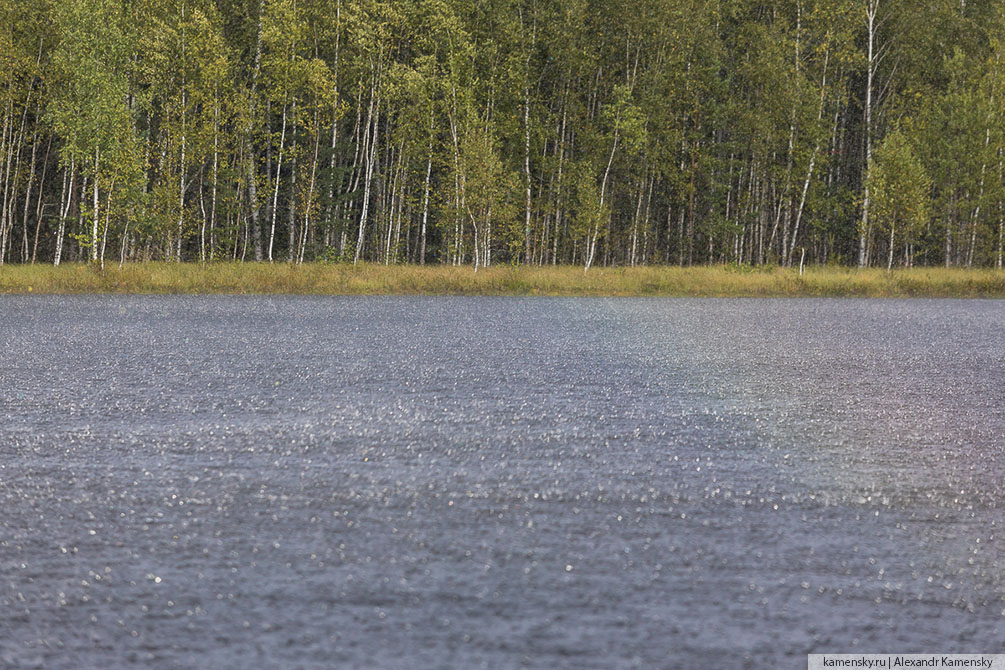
370, 279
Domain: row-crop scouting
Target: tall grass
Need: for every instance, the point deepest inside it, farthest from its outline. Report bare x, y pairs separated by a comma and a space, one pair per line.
369, 279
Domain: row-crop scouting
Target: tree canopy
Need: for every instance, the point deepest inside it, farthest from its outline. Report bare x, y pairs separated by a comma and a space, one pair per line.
503, 131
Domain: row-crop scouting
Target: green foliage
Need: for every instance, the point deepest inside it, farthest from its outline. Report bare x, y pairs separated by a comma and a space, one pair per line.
901, 187
88, 106
503, 131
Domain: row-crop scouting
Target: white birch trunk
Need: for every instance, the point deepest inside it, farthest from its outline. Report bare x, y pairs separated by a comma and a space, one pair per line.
64, 212
592, 248
425, 196
526, 169
275, 192
369, 158
94, 223
870, 13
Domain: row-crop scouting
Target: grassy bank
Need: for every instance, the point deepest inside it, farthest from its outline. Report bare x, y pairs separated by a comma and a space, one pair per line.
448, 280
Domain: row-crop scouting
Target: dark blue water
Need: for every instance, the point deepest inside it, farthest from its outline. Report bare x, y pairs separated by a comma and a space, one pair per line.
236, 482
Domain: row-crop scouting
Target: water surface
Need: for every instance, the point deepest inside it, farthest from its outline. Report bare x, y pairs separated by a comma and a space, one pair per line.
363, 482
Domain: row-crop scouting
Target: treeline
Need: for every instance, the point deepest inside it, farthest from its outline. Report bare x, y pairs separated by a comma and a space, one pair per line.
592, 132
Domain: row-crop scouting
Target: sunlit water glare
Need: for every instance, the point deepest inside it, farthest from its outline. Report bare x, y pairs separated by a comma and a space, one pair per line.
237, 482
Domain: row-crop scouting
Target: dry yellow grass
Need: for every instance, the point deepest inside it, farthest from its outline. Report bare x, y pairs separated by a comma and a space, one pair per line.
368, 279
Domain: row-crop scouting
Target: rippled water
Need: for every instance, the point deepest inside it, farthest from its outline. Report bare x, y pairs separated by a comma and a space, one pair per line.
240, 482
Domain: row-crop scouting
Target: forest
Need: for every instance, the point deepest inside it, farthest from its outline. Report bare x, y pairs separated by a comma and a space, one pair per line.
865, 133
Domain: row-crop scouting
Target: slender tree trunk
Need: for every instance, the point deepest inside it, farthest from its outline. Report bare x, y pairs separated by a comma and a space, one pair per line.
459, 200
184, 138
393, 194
38, 204
889, 262
361, 135
871, 10
332, 162
690, 208
369, 158
204, 218
94, 228
8, 142
526, 171
291, 220
81, 199
310, 190
1001, 214
332, 207
635, 221
216, 176
27, 196
1001, 236
948, 242
275, 192
592, 242
64, 212
108, 216
250, 168
425, 193
122, 247
975, 215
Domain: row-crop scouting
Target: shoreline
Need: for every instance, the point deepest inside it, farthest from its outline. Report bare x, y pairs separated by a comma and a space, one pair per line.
568, 281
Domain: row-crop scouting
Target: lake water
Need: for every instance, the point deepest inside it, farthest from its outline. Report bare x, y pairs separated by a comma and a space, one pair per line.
363, 482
